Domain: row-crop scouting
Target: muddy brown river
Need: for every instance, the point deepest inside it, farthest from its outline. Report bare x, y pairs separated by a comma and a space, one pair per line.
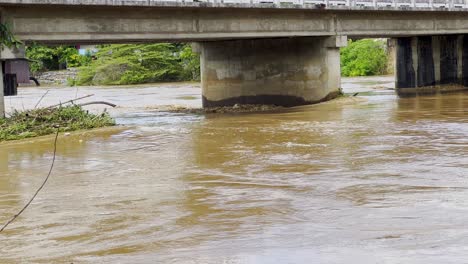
368, 179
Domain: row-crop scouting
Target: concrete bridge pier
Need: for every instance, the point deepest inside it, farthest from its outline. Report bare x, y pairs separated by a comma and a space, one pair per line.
2, 97
283, 71
431, 64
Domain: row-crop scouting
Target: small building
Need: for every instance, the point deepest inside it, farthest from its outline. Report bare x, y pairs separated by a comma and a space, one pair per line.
20, 67
14, 70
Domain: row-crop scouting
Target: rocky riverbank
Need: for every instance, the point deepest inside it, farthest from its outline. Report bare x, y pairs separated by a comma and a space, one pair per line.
61, 77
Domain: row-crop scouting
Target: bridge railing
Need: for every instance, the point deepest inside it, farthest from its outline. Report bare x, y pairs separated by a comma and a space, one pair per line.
352, 3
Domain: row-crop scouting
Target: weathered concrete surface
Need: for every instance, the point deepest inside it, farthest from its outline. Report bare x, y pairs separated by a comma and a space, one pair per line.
94, 22
286, 72
344, 5
428, 64
391, 55
12, 53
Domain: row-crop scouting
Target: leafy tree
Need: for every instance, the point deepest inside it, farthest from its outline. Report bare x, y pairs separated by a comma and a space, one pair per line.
7, 38
363, 58
120, 64
42, 57
190, 62
140, 63
54, 58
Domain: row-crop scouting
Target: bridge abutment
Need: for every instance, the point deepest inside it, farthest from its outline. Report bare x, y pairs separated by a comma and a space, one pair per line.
431, 64
284, 71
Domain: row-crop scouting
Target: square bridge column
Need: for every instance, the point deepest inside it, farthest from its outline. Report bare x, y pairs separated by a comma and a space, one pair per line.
281, 71
431, 64
2, 96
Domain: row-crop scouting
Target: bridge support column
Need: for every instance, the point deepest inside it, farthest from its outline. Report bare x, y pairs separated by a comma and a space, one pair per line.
2, 96
431, 64
284, 71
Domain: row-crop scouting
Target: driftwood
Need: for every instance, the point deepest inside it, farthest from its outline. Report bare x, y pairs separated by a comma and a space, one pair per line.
83, 104
35, 81
42, 97
98, 102
70, 101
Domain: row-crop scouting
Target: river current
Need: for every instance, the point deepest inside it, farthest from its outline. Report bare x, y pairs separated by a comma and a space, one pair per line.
367, 179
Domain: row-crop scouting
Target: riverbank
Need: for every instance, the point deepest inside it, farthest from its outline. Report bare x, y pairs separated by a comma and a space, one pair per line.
45, 121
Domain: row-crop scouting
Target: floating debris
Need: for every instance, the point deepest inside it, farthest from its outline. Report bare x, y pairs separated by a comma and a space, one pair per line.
237, 108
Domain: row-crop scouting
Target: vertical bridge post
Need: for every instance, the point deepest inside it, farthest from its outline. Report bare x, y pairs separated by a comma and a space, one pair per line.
281, 71
431, 64
2, 96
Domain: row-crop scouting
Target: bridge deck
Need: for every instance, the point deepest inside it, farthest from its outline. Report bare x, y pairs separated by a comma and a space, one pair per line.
384, 5
124, 21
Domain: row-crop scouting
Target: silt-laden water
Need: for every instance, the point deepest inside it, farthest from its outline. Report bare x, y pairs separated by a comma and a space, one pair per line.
369, 179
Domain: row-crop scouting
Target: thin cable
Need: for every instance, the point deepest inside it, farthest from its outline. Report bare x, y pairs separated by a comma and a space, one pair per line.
40, 188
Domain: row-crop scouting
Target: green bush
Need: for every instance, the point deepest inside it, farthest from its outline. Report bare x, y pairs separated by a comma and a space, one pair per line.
46, 58
364, 57
190, 63
140, 63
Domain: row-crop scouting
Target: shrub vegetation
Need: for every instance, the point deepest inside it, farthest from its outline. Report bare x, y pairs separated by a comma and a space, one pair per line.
39, 122
364, 57
140, 63
44, 58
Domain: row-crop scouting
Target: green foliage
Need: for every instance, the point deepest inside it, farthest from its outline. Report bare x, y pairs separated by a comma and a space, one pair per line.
42, 57
51, 58
191, 63
40, 122
140, 63
363, 58
7, 38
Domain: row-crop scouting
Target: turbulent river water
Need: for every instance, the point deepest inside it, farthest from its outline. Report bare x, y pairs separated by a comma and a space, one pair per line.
367, 179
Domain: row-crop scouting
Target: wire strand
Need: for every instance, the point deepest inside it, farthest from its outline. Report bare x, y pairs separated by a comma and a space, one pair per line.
40, 188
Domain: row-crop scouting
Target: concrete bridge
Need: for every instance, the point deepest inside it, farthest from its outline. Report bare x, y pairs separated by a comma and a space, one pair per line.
282, 52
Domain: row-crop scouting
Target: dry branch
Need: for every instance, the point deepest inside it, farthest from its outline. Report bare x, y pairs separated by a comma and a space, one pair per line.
98, 102
70, 101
